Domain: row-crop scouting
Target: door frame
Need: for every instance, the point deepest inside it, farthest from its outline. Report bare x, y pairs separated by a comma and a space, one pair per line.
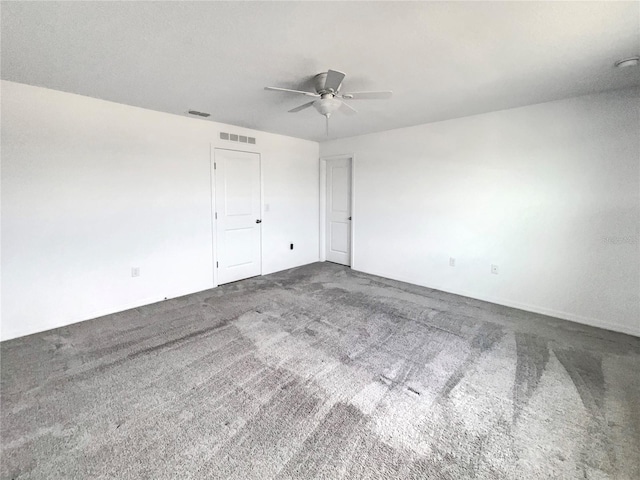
323, 204
214, 229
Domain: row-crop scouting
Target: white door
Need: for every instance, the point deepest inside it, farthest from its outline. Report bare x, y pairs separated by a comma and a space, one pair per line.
338, 242
237, 215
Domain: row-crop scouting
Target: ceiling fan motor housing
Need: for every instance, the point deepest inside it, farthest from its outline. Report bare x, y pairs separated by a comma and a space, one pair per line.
319, 82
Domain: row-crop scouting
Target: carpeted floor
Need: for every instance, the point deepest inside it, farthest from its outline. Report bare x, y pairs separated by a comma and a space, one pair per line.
321, 372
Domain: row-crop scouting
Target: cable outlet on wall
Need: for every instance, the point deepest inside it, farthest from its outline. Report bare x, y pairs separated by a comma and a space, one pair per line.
135, 271
494, 269
452, 262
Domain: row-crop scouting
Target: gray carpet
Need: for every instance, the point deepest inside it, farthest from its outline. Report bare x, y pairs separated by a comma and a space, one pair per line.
321, 372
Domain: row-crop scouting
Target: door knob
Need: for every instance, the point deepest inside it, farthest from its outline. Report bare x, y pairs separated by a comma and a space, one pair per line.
258, 221
349, 218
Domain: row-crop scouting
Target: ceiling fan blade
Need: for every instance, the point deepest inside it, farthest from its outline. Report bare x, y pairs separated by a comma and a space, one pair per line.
347, 109
278, 89
367, 95
333, 80
301, 107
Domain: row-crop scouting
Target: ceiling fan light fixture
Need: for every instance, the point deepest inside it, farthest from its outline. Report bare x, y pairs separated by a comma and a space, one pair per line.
327, 105
628, 62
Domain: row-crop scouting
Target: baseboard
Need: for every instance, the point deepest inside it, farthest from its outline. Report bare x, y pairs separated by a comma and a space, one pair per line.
121, 308
281, 268
590, 321
102, 313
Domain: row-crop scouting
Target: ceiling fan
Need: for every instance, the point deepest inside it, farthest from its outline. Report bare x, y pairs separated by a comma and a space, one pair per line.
328, 96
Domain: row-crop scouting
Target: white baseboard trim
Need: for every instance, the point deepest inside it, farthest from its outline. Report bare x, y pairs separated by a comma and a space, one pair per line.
4, 336
16, 333
593, 322
100, 313
590, 321
281, 268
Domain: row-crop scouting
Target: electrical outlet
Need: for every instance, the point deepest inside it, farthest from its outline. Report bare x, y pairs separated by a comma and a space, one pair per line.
452, 262
135, 271
494, 269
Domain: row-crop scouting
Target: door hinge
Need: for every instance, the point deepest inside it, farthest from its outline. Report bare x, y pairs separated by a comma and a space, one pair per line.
216, 215
216, 264
215, 165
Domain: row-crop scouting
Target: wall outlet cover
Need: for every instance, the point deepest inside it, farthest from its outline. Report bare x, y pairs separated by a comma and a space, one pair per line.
494, 269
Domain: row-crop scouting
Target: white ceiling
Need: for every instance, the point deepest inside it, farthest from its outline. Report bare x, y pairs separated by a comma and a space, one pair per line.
441, 59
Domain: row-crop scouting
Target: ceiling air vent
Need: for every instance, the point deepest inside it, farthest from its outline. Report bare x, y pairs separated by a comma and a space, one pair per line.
232, 137
199, 114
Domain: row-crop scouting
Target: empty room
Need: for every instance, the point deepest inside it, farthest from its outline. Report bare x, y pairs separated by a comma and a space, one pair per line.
320, 240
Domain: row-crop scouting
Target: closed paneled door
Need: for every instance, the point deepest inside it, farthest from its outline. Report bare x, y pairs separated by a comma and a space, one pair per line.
339, 211
237, 217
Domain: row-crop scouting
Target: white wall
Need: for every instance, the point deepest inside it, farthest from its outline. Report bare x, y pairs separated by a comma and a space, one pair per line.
549, 192
92, 188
